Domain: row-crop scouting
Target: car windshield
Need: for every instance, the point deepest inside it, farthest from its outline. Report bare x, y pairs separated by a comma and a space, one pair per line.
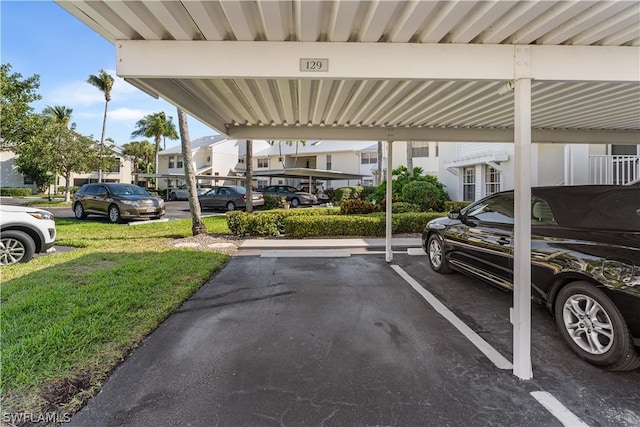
125, 190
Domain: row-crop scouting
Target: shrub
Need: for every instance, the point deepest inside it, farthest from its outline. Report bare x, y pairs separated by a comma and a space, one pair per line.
425, 194
15, 192
454, 206
269, 223
357, 206
271, 201
342, 194
334, 225
357, 225
403, 207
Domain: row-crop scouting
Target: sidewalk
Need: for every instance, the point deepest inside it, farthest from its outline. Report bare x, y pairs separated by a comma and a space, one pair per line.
404, 242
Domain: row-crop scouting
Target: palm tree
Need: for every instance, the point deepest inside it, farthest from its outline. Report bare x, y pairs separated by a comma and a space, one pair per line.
197, 225
140, 151
59, 114
104, 82
155, 126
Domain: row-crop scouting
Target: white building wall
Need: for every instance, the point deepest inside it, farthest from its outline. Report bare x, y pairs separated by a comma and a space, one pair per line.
10, 177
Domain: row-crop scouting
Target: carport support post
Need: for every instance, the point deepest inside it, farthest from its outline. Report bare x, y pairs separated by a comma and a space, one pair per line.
389, 207
521, 315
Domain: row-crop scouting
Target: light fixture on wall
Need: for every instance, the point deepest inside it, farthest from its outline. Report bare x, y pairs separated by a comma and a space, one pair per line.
506, 88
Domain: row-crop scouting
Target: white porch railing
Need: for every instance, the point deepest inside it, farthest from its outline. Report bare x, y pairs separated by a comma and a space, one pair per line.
616, 170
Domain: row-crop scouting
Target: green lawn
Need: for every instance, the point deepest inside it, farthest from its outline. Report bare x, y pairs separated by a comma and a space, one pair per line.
67, 319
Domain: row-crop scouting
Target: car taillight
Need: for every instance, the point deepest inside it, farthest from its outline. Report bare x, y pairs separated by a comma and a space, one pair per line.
244, 196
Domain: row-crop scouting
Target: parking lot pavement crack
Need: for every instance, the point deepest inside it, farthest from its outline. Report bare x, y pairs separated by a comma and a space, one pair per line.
239, 301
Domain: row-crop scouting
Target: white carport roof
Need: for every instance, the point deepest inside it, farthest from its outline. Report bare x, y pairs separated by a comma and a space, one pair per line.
393, 70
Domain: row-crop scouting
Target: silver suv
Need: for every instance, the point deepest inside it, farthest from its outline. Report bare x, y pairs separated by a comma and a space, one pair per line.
24, 232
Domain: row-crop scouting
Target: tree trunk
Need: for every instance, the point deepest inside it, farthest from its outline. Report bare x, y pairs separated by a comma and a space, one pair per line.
197, 225
249, 175
104, 128
67, 187
157, 159
410, 158
379, 163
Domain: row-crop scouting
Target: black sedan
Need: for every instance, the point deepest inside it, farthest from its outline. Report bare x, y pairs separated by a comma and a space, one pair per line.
229, 197
585, 248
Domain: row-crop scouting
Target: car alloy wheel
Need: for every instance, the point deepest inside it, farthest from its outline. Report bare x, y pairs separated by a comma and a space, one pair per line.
295, 202
594, 328
436, 254
16, 246
114, 214
231, 206
79, 211
588, 324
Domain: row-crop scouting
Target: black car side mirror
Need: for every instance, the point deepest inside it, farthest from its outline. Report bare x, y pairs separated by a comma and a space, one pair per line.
454, 215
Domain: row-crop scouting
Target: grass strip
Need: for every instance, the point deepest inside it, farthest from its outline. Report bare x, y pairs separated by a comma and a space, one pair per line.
77, 314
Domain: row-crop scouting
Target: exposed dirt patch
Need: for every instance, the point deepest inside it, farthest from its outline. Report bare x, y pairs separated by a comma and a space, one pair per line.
224, 243
63, 390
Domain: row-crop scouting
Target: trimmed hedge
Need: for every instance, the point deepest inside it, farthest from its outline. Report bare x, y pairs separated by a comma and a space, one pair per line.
298, 223
15, 192
269, 223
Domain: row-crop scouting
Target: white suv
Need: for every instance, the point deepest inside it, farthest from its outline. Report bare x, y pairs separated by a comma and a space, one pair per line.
24, 231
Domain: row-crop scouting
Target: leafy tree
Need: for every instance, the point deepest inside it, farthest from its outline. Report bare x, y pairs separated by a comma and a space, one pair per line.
74, 153
155, 126
197, 225
18, 119
104, 82
32, 159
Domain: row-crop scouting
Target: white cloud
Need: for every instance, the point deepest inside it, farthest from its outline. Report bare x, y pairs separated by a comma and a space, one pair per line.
127, 114
82, 94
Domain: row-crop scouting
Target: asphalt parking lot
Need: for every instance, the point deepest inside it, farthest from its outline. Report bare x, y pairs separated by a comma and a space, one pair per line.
346, 341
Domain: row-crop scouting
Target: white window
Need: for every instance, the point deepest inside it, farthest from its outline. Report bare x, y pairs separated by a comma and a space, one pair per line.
368, 158
420, 149
241, 160
172, 163
263, 163
491, 180
179, 161
469, 184
328, 162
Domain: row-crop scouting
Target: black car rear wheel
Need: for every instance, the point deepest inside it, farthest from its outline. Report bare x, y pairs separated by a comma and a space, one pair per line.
231, 206
594, 328
435, 251
78, 210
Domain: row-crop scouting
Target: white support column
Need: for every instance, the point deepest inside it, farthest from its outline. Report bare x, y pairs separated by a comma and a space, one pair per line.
389, 197
521, 315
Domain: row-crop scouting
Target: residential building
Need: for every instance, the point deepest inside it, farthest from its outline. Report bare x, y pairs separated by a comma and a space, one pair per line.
471, 171
10, 176
351, 157
212, 156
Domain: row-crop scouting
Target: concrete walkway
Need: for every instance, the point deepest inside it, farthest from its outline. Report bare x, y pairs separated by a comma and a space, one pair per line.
397, 242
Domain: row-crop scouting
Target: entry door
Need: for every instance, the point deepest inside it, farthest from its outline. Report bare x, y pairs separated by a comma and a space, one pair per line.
483, 242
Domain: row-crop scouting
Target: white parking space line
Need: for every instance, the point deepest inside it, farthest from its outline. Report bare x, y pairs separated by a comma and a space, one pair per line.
496, 358
308, 253
416, 252
558, 410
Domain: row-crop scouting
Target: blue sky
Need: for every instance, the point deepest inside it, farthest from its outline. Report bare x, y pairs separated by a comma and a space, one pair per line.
39, 37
